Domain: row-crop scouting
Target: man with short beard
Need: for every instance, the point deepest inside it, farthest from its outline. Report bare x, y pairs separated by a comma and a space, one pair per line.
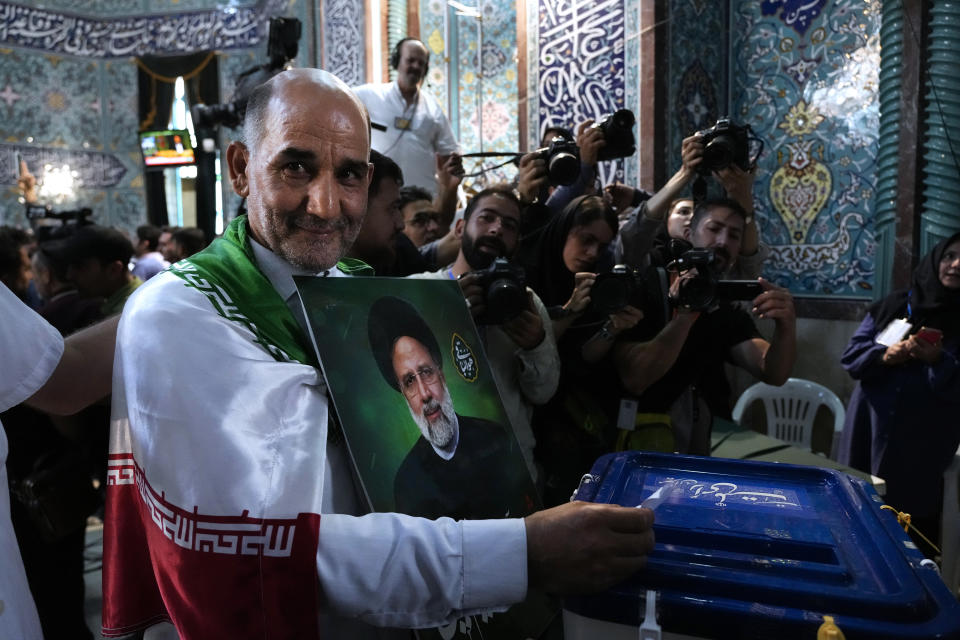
522, 351
458, 467
230, 512
658, 366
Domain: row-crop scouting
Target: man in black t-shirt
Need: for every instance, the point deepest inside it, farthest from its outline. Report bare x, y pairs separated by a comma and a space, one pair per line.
657, 369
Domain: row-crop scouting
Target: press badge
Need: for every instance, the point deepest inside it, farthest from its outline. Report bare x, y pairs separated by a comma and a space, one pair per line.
401, 123
894, 332
627, 416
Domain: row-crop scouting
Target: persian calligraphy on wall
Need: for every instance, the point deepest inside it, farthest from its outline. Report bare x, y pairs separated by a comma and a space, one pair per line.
343, 40
94, 37
806, 81
580, 75
94, 169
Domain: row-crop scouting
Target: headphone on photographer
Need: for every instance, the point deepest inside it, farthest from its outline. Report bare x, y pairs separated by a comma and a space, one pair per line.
395, 55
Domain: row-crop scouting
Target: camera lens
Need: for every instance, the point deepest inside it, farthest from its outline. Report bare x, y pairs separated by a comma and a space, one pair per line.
564, 168
719, 152
696, 293
505, 300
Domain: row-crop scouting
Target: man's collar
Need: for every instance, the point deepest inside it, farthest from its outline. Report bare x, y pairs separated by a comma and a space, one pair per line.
280, 272
399, 92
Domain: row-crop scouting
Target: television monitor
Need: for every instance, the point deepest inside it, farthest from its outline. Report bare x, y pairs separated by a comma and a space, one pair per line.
163, 149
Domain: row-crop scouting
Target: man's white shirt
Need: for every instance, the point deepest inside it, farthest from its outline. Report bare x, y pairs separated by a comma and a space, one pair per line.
231, 429
414, 148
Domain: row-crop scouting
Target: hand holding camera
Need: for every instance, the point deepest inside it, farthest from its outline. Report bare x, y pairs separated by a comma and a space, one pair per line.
775, 303
591, 142
532, 176
619, 196
727, 143
496, 294
580, 298
449, 170
609, 139
691, 155
626, 318
526, 329
473, 293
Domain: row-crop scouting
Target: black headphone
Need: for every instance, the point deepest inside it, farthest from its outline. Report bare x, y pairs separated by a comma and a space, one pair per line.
395, 55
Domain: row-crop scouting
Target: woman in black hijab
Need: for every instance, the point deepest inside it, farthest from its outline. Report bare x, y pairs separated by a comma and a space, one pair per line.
560, 262
903, 420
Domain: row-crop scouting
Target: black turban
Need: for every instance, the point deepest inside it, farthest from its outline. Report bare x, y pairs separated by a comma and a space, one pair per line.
391, 319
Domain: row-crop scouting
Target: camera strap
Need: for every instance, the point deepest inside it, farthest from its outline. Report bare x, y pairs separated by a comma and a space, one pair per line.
403, 123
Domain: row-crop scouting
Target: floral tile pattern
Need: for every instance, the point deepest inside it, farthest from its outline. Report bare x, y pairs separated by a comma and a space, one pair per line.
697, 76
806, 81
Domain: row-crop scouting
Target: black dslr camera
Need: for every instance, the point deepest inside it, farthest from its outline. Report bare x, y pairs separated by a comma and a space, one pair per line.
705, 289
726, 143
563, 161
504, 292
616, 289
617, 131
622, 286
281, 49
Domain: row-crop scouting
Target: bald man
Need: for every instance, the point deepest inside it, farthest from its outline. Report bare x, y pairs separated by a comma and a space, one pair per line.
219, 476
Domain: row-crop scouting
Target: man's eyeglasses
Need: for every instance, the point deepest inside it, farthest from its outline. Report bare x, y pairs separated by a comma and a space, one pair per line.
408, 383
506, 222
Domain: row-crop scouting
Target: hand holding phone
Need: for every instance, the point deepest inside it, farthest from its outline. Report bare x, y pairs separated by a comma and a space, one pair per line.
930, 335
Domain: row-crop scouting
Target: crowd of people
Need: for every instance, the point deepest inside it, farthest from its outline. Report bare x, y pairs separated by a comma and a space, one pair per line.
221, 420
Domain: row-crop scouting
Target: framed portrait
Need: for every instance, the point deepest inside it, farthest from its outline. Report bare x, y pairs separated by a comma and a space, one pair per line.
419, 410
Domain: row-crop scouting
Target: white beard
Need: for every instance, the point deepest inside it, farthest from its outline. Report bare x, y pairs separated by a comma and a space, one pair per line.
442, 433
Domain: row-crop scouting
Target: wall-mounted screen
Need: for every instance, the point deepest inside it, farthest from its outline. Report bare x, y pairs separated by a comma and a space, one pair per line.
166, 148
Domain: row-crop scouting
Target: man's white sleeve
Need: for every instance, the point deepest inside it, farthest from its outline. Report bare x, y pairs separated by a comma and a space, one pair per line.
394, 570
30, 348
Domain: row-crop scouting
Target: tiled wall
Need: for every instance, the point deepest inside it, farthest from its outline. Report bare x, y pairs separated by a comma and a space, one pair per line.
70, 100
576, 61
696, 75
805, 80
343, 37
484, 70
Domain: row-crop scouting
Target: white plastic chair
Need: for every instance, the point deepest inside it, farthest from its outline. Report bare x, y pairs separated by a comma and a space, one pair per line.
950, 536
791, 409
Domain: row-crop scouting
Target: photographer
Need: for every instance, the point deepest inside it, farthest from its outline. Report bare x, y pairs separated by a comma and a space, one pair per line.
666, 215
539, 192
413, 131
658, 367
561, 264
517, 336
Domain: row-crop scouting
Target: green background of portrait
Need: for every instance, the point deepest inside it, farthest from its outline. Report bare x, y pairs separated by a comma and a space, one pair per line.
375, 417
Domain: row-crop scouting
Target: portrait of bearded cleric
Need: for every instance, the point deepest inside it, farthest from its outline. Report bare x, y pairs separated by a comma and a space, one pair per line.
416, 399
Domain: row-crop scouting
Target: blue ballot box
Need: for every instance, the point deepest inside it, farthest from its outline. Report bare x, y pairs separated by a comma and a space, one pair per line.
760, 550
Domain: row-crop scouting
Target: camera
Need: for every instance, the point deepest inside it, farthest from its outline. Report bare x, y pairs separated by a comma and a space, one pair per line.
617, 131
616, 289
623, 286
504, 292
705, 289
726, 143
563, 161
281, 49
